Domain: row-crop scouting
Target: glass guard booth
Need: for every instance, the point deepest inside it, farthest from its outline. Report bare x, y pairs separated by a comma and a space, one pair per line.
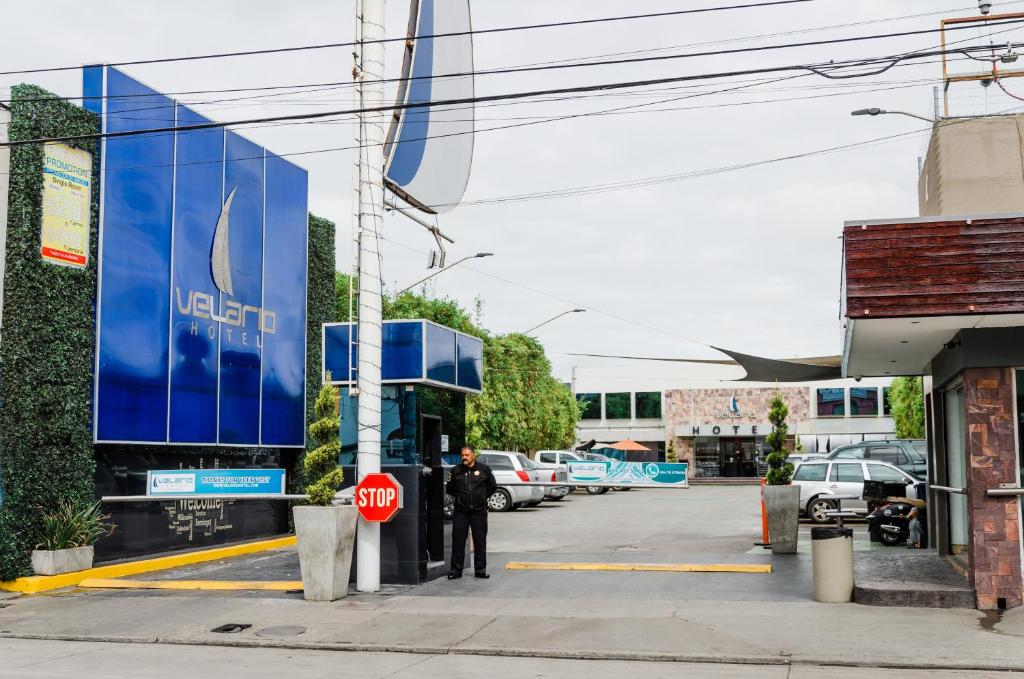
427, 369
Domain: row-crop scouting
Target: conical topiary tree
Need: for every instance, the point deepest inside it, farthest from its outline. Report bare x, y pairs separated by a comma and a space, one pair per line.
321, 465
780, 470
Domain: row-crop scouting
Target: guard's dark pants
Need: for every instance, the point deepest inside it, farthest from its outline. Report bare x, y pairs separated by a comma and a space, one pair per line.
461, 523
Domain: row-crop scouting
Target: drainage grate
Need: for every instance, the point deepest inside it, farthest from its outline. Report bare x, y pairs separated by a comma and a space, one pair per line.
231, 628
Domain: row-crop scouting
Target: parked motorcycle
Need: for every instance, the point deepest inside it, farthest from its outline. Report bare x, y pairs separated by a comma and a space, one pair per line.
889, 522
890, 513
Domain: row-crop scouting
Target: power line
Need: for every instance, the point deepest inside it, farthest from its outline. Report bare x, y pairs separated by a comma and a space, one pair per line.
690, 55
503, 29
823, 69
662, 179
341, 84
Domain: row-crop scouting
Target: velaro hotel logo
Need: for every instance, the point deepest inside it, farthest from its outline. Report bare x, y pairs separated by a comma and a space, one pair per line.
233, 314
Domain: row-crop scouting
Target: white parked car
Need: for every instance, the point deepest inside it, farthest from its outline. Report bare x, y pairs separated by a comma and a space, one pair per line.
551, 493
511, 475
818, 479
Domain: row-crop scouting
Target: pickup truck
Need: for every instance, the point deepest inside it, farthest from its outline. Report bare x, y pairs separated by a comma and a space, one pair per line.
556, 459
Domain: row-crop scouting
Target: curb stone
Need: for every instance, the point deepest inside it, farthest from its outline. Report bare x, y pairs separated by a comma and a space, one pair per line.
340, 646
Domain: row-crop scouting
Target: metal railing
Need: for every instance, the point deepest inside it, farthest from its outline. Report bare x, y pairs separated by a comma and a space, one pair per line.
948, 489
1007, 491
339, 499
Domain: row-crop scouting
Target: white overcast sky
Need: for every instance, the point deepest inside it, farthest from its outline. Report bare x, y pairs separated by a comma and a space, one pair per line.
748, 259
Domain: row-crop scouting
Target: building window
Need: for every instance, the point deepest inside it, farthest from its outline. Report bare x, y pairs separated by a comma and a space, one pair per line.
864, 401
886, 406
648, 405
590, 406
831, 402
616, 406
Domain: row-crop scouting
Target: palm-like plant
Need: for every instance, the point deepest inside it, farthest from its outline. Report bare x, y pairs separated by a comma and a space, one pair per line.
73, 524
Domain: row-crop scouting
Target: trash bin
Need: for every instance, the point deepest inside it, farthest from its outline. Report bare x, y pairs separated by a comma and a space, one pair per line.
832, 564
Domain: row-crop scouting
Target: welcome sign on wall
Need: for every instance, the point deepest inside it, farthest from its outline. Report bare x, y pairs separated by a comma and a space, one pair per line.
201, 312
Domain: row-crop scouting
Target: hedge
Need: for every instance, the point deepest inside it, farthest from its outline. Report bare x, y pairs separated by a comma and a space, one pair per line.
47, 351
319, 310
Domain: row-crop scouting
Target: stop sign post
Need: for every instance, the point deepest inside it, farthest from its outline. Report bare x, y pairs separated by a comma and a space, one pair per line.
378, 497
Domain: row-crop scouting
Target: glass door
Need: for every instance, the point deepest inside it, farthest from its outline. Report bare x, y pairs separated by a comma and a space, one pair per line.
956, 469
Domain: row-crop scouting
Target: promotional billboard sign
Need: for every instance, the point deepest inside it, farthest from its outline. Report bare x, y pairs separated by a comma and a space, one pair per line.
201, 311
215, 482
429, 149
67, 203
628, 473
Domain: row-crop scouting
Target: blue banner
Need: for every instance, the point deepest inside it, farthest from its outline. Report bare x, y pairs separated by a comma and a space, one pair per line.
629, 473
215, 482
201, 311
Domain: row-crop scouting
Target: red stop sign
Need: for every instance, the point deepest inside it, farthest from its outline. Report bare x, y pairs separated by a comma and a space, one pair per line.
378, 497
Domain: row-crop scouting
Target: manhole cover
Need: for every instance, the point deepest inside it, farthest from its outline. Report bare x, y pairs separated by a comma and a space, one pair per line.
231, 628
281, 631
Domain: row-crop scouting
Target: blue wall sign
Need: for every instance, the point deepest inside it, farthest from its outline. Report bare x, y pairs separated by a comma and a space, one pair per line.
215, 482
629, 473
413, 352
201, 316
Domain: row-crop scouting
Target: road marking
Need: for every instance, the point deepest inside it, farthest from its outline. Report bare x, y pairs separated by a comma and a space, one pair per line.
43, 583
660, 567
272, 585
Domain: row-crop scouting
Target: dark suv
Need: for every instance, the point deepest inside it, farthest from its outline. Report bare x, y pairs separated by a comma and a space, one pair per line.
909, 455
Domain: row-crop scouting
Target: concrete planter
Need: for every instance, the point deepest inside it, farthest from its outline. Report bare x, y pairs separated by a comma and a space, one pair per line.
782, 504
326, 537
55, 562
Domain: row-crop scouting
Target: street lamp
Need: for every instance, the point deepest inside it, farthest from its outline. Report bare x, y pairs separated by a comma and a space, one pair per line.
423, 280
882, 112
554, 318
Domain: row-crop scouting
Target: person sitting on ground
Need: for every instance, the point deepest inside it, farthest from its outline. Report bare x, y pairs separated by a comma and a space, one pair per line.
914, 541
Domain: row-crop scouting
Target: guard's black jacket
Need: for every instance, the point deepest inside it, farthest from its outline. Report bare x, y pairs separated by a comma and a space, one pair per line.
471, 486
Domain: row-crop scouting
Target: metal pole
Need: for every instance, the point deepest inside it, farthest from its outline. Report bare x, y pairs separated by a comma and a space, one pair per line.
371, 206
438, 272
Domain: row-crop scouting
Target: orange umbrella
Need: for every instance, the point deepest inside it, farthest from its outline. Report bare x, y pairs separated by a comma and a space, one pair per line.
628, 444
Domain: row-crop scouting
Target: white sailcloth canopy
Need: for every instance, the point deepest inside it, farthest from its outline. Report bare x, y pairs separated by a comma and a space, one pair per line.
429, 150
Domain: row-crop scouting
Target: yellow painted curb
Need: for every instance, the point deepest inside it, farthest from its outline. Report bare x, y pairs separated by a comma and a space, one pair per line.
661, 567
273, 585
43, 583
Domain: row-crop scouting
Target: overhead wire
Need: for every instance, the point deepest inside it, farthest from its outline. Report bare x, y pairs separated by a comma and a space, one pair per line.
472, 32
608, 86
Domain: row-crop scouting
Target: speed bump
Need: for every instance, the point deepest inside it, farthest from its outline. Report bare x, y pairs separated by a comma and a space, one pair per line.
655, 567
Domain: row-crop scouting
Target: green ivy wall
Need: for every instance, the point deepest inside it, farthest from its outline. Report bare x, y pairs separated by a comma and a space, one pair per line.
47, 348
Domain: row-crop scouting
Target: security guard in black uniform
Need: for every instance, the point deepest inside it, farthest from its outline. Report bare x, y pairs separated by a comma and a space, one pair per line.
471, 483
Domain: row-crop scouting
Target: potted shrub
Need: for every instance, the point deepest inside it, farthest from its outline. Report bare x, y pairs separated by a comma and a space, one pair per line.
69, 533
325, 531
781, 499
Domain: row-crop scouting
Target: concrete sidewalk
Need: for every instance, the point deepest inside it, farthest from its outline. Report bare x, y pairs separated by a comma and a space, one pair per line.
606, 628
31, 659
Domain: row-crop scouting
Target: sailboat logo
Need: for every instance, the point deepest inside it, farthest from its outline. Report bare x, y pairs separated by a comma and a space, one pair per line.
220, 258
734, 405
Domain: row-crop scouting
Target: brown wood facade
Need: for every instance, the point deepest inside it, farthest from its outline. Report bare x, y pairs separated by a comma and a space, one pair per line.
934, 268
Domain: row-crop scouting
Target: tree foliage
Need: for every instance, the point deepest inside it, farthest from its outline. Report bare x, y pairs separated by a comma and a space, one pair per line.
780, 469
523, 407
906, 403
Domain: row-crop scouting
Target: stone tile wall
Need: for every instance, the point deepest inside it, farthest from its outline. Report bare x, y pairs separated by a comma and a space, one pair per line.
991, 460
707, 406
